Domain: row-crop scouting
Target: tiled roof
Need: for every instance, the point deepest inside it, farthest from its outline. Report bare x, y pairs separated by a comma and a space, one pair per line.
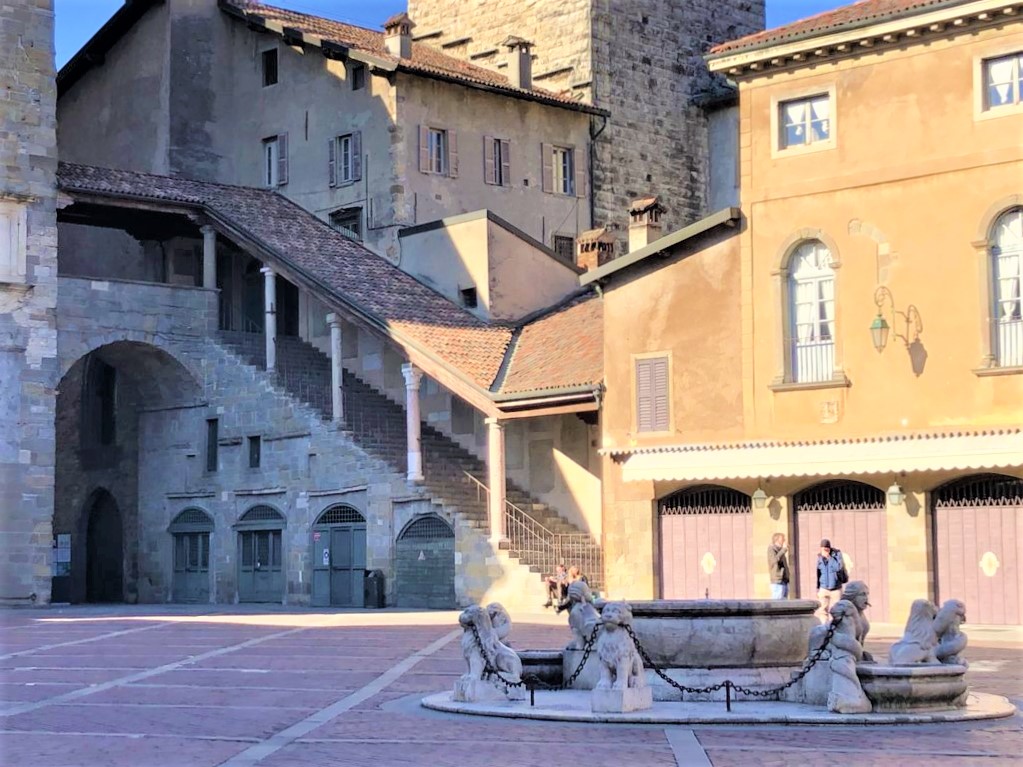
425, 59
561, 349
848, 16
382, 291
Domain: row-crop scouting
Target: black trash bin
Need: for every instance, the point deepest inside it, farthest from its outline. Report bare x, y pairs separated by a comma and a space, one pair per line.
374, 592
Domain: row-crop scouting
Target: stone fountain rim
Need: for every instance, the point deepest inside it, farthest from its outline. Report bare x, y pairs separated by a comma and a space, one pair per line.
926, 670
723, 608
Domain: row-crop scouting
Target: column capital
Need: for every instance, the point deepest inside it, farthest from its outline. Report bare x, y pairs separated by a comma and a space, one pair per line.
494, 423
413, 375
333, 320
267, 270
207, 230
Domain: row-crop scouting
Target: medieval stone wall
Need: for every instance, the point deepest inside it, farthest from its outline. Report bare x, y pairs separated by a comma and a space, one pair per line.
28, 297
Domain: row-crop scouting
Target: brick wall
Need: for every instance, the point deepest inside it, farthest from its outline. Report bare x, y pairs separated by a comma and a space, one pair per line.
28, 336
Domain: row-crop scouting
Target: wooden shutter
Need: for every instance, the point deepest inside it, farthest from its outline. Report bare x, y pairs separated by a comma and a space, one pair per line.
652, 406
357, 156
580, 160
505, 163
282, 159
424, 149
452, 140
547, 155
332, 162
489, 170
659, 376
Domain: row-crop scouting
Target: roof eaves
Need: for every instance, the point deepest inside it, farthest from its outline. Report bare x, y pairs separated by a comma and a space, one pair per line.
724, 217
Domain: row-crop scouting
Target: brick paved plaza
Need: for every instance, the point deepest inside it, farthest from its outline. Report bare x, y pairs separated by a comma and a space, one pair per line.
179, 686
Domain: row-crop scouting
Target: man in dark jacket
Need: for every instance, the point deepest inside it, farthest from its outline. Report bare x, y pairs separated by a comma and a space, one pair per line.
778, 566
831, 576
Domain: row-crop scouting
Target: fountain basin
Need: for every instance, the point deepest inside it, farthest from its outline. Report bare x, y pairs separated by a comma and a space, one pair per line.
757, 643
913, 688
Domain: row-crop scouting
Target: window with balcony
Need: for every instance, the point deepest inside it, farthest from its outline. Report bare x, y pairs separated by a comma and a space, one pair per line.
1007, 276
811, 292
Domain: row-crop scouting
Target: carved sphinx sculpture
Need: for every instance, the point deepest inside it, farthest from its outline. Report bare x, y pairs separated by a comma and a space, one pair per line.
919, 641
951, 641
622, 686
846, 695
476, 684
857, 593
583, 616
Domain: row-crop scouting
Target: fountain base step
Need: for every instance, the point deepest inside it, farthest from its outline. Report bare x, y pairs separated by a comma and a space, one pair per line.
575, 706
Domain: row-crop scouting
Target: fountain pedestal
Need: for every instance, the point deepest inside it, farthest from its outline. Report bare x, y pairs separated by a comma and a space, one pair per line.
913, 688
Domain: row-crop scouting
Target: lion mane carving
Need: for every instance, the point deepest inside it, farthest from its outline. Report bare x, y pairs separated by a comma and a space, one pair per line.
918, 643
951, 641
620, 663
501, 657
583, 616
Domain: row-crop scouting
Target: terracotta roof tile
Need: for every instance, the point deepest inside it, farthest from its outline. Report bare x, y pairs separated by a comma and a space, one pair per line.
425, 59
467, 344
563, 348
857, 14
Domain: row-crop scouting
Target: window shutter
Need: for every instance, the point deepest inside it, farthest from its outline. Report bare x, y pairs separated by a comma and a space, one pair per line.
452, 154
424, 149
332, 162
282, 159
547, 153
652, 393
580, 160
357, 156
505, 163
644, 400
659, 386
489, 175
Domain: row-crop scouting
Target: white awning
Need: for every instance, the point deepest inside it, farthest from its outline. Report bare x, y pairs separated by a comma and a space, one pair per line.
992, 450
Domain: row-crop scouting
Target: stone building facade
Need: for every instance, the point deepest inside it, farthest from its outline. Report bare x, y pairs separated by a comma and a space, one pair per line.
28, 299
641, 60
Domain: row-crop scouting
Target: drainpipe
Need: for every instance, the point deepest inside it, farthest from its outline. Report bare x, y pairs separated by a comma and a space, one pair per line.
593, 156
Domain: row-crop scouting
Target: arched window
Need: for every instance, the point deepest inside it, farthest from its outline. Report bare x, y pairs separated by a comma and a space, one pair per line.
811, 313
1007, 275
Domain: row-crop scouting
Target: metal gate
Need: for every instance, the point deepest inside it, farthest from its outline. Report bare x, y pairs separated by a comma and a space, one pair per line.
339, 558
260, 555
978, 544
852, 516
191, 531
425, 564
706, 544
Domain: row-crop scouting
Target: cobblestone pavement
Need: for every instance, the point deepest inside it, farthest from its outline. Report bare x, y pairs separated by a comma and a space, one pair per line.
177, 686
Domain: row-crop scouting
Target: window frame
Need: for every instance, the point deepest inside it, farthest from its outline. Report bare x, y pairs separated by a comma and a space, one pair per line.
981, 108
14, 248
212, 445
271, 162
670, 410
358, 76
555, 236
349, 212
995, 300
792, 330
276, 66
345, 158
778, 101
437, 152
255, 451
566, 187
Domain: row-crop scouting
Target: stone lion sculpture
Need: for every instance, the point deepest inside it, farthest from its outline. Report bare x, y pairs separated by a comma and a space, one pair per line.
621, 666
951, 641
857, 593
846, 695
500, 619
919, 641
583, 616
476, 683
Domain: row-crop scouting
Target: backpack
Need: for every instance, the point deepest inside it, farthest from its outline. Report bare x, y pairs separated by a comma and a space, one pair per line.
842, 576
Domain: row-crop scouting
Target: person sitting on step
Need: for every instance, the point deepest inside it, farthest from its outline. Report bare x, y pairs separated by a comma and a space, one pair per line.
557, 586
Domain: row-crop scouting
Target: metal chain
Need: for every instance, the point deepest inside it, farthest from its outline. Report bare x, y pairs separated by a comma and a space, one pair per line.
809, 664
532, 681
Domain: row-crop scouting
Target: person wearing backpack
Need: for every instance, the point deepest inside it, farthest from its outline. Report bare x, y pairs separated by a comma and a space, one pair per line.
831, 577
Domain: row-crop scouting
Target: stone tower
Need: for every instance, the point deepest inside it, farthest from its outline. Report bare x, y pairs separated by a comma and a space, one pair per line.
28, 299
640, 59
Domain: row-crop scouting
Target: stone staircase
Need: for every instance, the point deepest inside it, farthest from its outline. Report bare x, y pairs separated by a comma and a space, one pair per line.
377, 424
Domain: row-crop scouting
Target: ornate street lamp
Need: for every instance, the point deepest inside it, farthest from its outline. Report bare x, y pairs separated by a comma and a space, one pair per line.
896, 496
759, 498
879, 333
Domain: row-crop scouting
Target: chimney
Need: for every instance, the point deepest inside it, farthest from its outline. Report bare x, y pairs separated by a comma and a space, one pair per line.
644, 222
595, 247
398, 35
520, 62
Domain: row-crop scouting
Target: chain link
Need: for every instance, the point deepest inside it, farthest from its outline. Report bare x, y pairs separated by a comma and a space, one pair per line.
532, 681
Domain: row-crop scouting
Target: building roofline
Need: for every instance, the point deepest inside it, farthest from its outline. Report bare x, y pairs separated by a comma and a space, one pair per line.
728, 217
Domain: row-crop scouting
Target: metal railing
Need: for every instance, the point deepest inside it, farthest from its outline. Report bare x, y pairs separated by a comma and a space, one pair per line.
542, 547
1010, 343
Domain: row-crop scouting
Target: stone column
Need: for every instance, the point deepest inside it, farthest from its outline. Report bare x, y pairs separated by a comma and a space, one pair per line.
496, 478
336, 385
413, 376
270, 319
209, 256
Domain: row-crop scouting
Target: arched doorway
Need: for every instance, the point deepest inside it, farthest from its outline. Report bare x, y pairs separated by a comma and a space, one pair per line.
978, 545
191, 533
852, 516
260, 555
339, 557
104, 550
706, 544
425, 564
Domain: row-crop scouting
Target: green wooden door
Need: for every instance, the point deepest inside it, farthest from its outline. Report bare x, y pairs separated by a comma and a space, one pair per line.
260, 570
347, 565
191, 567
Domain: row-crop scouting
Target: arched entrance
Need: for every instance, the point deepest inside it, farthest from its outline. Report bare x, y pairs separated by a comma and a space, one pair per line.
978, 545
104, 550
191, 531
339, 557
260, 555
852, 516
425, 564
706, 544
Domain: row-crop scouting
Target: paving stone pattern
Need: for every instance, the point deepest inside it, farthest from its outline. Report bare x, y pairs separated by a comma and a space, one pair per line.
214, 685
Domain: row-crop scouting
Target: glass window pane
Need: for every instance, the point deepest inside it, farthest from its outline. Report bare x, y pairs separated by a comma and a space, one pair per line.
204, 543
193, 551
179, 552
263, 548
247, 547
276, 549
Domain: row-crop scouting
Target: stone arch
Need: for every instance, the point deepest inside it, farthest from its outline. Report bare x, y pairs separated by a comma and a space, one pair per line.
103, 526
425, 563
797, 238
994, 211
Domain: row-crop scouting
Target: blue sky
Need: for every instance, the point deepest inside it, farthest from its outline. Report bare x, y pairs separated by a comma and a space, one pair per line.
78, 20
